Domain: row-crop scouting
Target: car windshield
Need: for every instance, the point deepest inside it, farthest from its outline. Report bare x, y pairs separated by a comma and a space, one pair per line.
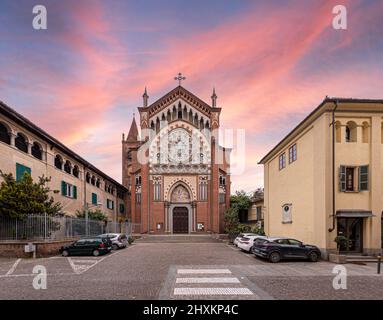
260, 241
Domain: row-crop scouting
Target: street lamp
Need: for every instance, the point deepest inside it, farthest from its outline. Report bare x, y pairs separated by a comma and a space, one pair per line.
87, 207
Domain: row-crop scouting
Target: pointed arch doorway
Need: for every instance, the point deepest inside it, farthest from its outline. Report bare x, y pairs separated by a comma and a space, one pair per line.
180, 210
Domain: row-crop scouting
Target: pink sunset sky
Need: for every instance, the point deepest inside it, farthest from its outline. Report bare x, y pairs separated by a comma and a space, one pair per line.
271, 63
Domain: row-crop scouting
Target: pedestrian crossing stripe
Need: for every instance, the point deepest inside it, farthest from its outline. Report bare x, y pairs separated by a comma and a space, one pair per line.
203, 271
208, 280
212, 291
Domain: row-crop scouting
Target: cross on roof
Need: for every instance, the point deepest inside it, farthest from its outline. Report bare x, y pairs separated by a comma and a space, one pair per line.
179, 77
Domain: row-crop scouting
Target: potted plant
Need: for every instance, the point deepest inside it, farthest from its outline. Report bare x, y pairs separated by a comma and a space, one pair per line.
341, 242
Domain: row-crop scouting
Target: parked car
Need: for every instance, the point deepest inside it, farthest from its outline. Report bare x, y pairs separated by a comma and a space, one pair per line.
275, 249
246, 243
90, 246
241, 235
119, 240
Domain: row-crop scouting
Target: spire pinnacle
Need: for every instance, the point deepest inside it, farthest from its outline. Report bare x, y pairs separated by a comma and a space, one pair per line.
145, 98
214, 98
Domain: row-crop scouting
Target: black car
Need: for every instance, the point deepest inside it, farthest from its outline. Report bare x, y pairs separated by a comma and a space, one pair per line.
89, 246
276, 249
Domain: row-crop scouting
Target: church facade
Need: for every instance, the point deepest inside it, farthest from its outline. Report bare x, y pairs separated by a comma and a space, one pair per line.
176, 173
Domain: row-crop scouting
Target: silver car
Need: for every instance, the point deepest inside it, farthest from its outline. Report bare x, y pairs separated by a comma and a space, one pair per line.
119, 240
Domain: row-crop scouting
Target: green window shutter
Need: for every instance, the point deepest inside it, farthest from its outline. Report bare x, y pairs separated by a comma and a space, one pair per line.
342, 178
94, 198
20, 169
112, 205
63, 188
74, 192
363, 178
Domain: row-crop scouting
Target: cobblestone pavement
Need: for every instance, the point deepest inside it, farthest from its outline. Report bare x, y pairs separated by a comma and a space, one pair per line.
183, 270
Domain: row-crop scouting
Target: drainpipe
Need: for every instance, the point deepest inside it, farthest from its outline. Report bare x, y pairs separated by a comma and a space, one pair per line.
333, 168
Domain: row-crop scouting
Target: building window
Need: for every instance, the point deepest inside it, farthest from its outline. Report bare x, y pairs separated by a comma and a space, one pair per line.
58, 162
20, 170
282, 161
68, 167
138, 197
21, 143
37, 151
4, 134
98, 183
109, 204
363, 178
157, 191
87, 177
259, 213
222, 198
122, 208
203, 191
293, 153
347, 178
68, 190
93, 180
129, 155
351, 132
76, 171
138, 180
94, 198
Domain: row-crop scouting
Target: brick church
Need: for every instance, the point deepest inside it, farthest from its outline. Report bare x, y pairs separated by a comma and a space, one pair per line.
176, 173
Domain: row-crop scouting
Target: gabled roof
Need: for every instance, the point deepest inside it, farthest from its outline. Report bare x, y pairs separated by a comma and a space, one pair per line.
30, 126
133, 132
328, 104
173, 95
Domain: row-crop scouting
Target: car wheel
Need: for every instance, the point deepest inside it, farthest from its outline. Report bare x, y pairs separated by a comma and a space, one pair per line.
114, 246
275, 257
65, 253
313, 256
96, 253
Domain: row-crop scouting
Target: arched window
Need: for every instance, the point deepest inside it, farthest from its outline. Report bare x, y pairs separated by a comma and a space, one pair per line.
365, 132
185, 113
207, 124
168, 116
37, 151
196, 120
68, 167
4, 134
87, 177
98, 183
190, 116
76, 171
93, 180
201, 124
157, 125
58, 162
351, 132
21, 143
338, 137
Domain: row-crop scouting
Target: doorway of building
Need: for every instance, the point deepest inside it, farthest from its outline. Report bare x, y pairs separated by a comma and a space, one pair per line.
352, 229
180, 220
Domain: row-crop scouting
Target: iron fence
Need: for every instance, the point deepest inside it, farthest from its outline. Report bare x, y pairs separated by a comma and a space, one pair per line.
44, 227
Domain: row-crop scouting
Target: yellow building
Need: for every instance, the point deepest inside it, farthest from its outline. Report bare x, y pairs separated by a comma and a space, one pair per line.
26, 147
324, 180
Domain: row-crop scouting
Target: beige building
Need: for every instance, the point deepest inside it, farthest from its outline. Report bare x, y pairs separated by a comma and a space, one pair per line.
25, 147
322, 180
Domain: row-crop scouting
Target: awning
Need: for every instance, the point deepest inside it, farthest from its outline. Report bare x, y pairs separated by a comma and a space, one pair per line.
350, 213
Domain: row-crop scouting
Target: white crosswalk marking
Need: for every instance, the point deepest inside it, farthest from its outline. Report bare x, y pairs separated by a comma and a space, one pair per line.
203, 271
198, 283
212, 291
207, 280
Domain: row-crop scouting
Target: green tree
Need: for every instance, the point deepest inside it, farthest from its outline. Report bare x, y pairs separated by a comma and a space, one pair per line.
21, 198
231, 220
242, 201
96, 214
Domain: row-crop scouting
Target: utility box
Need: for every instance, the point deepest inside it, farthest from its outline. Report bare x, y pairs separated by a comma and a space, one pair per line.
30, 247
